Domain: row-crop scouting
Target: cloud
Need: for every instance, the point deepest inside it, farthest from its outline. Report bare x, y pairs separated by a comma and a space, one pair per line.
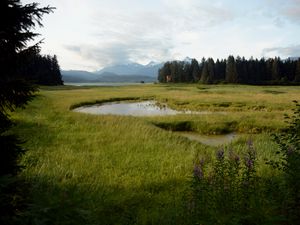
194, 14
141, 34
290, 51
288, 10
292, 11
120, 52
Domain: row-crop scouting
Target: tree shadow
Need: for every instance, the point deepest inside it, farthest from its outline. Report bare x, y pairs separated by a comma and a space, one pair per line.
66, 203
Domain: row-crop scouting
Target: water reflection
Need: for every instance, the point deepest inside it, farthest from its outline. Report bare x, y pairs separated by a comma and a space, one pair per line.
145, 108
212, 140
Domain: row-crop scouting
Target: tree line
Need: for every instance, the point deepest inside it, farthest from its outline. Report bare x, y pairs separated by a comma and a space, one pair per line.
232, 70
42, 70
21, 66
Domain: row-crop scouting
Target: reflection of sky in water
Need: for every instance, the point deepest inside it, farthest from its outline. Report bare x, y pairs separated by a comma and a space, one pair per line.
146, 108
212, 140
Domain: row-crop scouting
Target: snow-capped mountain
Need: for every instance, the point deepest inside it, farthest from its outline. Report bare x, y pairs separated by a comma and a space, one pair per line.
131, 72
187, 60
151, 69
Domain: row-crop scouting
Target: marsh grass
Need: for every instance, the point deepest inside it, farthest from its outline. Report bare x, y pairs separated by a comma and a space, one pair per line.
106, 169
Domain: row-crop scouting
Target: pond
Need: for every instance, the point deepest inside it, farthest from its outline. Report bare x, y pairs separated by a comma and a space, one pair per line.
152, 108
144, 108
212, 140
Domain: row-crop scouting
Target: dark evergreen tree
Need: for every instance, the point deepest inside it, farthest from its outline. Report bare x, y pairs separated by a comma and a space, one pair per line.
231, 71
208, 72
211, 71
220, 68
276, 69
195, 70
239, 70
263, 75
205, 73
175, 71
16, 23
165, 73
297, 72
43, 70
187, 72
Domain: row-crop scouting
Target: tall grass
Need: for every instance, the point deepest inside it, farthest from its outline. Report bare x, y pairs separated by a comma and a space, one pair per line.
106, 169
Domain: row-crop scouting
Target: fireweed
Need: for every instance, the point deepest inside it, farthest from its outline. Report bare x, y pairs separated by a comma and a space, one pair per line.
231, 192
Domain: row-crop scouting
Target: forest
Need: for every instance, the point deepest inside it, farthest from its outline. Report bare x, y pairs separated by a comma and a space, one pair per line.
271, 71
42, 70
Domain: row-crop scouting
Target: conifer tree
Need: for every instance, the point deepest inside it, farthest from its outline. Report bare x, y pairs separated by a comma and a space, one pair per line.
297, 72
276, 69
231, 71
205, 73
195, 70
16, 23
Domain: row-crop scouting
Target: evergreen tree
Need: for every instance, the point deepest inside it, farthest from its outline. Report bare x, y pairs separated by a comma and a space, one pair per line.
164, 73
220, 67
195, 70
239, 70
276, 69
187, 73
204, 74
297, 71
231, 71
16, 23
211, 70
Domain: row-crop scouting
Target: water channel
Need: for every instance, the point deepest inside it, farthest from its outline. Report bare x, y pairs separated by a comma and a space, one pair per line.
152, 108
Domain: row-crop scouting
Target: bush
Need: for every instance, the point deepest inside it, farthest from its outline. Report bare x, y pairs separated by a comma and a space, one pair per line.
229, 191
289, 143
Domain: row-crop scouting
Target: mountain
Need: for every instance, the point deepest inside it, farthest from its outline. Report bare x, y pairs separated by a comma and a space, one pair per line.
78, 76
151, 69
130, 72
125, 78
187, 59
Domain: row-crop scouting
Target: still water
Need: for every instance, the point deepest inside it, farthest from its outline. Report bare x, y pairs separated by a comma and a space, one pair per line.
145, 108
104, 84
152, 108
212, 140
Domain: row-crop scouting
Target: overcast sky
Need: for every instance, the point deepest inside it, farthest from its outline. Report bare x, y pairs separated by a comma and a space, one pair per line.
91, 34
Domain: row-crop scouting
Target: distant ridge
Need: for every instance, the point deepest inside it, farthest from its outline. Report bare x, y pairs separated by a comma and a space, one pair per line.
151, 69
131, 72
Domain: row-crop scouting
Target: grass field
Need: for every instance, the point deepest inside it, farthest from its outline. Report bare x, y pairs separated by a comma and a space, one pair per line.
88, 169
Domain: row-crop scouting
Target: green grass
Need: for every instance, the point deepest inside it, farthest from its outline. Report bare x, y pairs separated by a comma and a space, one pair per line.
88, 169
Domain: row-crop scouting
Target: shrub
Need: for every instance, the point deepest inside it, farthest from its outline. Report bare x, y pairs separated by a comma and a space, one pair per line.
230, 191
289, 152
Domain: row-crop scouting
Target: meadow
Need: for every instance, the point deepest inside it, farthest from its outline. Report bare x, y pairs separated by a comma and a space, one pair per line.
107, 169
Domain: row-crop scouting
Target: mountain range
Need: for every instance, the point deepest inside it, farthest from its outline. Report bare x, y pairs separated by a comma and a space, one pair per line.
131, 72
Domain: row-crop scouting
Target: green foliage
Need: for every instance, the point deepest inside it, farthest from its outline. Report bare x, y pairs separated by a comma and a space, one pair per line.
16, 23
234, 193
230, 192
232, 70
297, 72
43, 70
289, 143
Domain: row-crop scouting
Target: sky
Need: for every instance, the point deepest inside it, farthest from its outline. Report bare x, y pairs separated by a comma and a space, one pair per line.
91, 34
